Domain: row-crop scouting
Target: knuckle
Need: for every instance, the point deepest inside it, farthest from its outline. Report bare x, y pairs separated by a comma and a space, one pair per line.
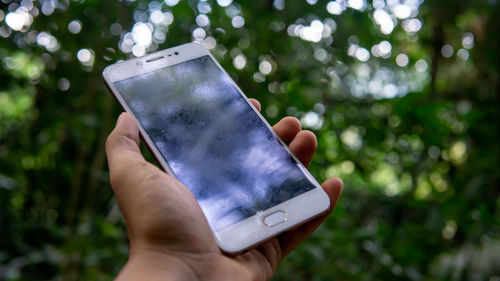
131, 174
125, 141
117, 140
152, 177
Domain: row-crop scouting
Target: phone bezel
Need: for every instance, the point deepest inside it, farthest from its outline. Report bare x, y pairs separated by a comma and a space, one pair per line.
250, 231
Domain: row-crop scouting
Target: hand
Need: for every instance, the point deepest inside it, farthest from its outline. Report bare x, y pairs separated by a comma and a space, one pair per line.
170, 238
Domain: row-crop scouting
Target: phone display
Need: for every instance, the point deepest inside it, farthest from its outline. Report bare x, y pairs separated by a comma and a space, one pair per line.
213, 141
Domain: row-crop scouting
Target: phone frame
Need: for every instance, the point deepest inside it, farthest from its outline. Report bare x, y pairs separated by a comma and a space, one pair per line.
248, 232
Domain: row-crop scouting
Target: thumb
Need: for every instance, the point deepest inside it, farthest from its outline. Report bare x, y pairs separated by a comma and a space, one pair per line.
122, 145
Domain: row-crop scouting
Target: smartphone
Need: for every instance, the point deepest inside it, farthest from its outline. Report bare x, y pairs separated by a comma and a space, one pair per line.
203, 131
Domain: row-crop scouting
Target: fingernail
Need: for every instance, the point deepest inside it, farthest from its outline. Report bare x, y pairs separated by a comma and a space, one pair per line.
120, 118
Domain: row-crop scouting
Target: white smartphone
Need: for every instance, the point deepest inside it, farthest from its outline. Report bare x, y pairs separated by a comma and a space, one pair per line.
204, 131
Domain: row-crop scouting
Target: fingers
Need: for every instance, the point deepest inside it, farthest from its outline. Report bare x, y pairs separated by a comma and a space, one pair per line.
287, 128
271, 250
303, 146
302, 143
290, 240
256, 103
257, 264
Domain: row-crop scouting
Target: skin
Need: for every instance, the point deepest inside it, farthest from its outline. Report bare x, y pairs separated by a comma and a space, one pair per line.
170, 238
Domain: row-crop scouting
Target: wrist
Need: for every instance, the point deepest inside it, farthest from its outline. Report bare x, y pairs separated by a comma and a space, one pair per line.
155, 265
154, 262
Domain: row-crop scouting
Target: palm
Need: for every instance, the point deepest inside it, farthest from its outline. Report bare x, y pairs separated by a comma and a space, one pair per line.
162, 215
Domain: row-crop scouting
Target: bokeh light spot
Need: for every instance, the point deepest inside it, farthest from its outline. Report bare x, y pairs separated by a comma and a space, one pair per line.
334, 8
75, 26
265, 67
411, 25
86, 57
199, 34
142, 35
449, 230
202, 20
63, 84
463, 54
356, 4
224, 3
468, 40
171, 3
156, 17
402, 60
362, 54
421, 65
19, 19
384, 20
239, 61
447, 51
238, 22
401, 11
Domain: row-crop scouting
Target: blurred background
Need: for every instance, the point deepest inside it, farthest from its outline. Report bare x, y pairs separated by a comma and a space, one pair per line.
403, 95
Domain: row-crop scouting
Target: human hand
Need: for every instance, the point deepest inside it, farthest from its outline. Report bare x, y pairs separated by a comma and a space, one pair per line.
170, 238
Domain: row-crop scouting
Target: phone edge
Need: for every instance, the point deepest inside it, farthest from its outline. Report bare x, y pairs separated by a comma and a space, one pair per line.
168, 170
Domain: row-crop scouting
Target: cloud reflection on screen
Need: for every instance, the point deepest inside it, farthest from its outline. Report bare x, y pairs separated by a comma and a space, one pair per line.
213, 141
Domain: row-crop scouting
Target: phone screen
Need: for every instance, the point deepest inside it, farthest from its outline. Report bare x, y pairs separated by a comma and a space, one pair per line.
213, 141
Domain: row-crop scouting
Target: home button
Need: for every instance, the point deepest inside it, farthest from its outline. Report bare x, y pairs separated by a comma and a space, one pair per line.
275, 218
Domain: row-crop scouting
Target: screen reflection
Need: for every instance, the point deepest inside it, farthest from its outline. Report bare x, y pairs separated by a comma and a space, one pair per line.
213, 141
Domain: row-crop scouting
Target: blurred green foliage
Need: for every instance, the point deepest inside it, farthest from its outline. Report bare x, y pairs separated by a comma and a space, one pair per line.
403, 95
